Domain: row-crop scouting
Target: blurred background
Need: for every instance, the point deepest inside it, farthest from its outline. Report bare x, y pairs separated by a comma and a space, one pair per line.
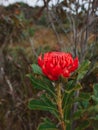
29, 27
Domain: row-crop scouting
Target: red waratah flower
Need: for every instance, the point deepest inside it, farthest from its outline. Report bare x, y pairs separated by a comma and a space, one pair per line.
55, 64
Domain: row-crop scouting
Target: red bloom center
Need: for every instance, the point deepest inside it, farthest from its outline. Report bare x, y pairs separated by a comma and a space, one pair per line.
55, 64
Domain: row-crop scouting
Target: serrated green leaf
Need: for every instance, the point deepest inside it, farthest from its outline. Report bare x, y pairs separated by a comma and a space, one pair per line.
68, 93
49, 102
70, 85
67, 99
74, 88
67, 112
83, 69
48, 83
36, 104
36, 69
47, 125
40, 84
71, 88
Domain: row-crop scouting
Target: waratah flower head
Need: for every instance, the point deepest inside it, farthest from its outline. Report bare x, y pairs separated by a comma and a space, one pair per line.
55, 64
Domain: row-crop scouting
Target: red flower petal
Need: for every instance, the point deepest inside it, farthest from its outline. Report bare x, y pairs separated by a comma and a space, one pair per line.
74, 65
52, 77
66, 73
40, 61
56, 71
44, 70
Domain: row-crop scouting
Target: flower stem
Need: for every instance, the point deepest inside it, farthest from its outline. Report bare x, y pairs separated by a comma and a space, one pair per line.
59, 104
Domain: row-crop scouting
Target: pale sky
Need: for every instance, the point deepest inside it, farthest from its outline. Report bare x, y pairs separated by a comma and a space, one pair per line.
31, 3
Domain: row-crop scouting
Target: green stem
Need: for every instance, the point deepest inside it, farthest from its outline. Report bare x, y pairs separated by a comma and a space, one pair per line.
59, 104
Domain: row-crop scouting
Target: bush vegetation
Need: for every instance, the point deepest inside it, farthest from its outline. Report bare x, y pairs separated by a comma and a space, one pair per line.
18, 26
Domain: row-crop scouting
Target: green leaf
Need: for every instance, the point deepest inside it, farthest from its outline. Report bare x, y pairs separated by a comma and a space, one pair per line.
96, 90
85, 104
83, 99
68, 93
83, 69
67, 112
49, 102
41, 85
68, 125
94, 67
49, 83
93, 108
78, 114
85, 96
70, 85
36, 104
67, 100
83, 125
71, 88
36, 69
95, 96
47, 125
74, 87
43, 104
